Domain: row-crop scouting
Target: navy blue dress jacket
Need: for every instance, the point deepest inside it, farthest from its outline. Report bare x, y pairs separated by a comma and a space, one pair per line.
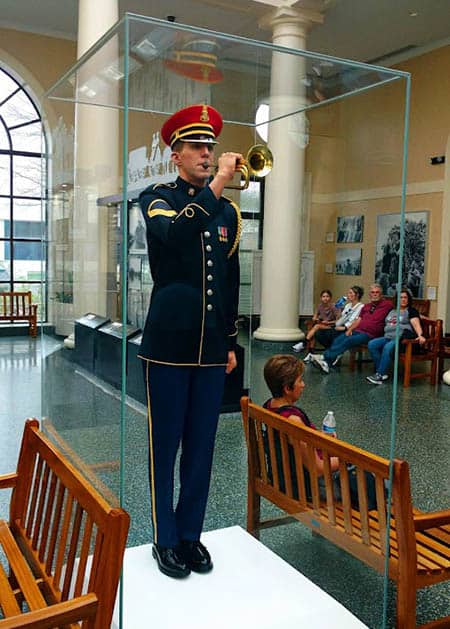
192, 240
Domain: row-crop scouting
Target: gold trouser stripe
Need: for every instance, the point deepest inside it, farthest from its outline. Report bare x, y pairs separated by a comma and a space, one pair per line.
152, 470
162, 362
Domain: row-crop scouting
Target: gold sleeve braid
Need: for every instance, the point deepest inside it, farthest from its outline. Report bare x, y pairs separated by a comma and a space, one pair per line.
238, 227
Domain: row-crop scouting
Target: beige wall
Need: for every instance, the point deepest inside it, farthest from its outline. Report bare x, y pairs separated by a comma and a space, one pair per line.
355, 157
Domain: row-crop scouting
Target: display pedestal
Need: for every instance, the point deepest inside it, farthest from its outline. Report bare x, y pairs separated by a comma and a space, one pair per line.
135, 372
250, 586
234, 383
108, 361
85, 333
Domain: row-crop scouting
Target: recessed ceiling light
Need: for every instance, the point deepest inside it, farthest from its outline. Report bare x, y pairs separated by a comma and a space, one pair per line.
413, 13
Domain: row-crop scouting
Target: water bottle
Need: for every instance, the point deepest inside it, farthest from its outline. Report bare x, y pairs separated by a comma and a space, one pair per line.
340, 302
329, 423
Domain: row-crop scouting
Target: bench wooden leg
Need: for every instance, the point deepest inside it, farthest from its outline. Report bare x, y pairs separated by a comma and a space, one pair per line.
434, 370
407, 361
352, 360
253, 511
32, 330
406, 605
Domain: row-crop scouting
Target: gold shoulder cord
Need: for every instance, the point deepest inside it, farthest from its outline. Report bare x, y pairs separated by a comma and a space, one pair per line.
238, 227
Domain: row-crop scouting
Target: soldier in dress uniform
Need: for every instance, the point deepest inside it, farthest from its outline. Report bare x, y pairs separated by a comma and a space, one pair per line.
191, 329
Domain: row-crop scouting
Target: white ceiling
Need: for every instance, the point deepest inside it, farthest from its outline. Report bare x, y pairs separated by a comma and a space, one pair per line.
366, 30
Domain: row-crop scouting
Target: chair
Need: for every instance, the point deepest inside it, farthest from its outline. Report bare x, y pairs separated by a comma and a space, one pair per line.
444, 354
432, 330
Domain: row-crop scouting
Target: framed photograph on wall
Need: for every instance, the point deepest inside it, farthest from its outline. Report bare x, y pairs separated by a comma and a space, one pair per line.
348, 261
137, 243
350, 228
135, 273
414, 250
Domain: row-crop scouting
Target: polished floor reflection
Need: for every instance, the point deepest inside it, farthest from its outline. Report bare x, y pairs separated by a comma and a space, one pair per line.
39, 378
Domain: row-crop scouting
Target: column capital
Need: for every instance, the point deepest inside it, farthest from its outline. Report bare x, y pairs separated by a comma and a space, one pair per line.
302, 19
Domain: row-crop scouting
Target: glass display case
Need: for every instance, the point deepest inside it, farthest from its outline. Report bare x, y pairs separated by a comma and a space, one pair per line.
328, 216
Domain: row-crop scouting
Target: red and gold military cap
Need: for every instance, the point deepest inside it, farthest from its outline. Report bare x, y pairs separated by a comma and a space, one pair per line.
197, 123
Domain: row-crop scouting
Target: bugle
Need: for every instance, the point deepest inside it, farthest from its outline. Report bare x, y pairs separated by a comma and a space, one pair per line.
257, 163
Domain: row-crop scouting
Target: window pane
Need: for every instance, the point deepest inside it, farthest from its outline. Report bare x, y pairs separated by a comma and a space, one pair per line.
5, 165
27, 176
250, 199
30, 268
249, 234
27, 212
5, 264
4, 288
5, 224
4, 140
17, 110
27, 138
7, 86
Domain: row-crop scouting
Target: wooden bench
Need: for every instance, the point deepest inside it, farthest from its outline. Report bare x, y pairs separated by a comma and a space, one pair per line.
419, 544
17, 306
63, 544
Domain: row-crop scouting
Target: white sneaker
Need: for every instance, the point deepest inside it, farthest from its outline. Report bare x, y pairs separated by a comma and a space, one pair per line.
336, 360
376, 378
298, 346
308, 358
321, 362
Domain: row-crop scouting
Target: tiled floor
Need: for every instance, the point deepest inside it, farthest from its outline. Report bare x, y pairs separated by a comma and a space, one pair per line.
87, 415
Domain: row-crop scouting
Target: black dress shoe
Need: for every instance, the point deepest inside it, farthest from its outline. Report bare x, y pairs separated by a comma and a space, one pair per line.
170, 562
196, 556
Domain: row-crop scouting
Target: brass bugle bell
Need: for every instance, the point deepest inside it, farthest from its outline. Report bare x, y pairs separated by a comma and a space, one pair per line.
257, 163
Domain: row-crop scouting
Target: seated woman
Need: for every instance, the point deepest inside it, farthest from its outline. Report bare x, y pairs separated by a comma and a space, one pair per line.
324, 318
351, 312
283, 375
381, 349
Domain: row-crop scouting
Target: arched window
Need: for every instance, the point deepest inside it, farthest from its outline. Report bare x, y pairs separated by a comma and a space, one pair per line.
22, 228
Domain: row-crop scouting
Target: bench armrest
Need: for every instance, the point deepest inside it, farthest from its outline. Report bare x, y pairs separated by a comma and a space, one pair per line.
56, 615
8, 480
431, 520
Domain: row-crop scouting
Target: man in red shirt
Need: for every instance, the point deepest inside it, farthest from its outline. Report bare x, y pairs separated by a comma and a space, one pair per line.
369, 325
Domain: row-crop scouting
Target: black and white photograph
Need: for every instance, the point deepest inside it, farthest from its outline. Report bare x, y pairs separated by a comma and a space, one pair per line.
348, 261
137, 243
350, 228
134, 273
388, 252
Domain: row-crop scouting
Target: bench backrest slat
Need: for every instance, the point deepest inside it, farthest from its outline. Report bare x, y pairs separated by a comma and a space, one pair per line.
85, 546
285, 464
54, 529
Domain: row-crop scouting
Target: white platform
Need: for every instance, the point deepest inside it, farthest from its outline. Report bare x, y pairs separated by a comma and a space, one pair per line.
250, 586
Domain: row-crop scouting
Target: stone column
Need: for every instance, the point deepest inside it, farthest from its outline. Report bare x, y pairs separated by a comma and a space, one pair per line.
284, 185
96, 159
